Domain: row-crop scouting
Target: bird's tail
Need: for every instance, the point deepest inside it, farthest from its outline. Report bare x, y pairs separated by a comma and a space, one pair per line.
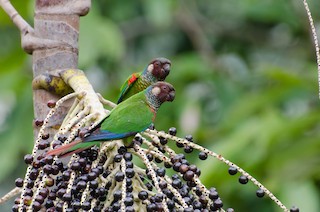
73, 152
65, 150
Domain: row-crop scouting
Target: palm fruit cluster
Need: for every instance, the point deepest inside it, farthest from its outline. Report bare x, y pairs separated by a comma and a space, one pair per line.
153, 173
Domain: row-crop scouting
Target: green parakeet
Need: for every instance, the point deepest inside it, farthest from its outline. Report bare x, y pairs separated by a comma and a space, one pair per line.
157, 70
128, 118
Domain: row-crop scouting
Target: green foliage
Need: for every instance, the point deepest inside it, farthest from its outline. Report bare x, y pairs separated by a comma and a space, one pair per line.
255, 100
106, 33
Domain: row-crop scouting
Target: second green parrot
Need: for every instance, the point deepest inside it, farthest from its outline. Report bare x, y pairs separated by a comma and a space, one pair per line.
128, 118
157, 70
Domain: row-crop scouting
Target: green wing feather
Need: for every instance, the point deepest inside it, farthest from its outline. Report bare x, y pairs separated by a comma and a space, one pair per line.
127, 86
130, 116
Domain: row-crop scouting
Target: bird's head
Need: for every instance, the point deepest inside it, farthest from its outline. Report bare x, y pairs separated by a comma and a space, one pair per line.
162, 92
159, 68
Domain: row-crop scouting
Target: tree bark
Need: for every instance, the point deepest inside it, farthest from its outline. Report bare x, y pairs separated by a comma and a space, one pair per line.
55, 22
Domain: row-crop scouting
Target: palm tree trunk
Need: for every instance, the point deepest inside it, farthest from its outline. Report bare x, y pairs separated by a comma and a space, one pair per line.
54, 46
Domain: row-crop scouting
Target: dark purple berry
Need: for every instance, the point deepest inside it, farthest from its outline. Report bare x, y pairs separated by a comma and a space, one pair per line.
117, 195
188, 176
260, 193
81, 185
128, 201
28, 159
157, 160
47, 169
43, 145
45, 137
52, 196
117, 158
66, 175
48, 159
218, 203
129, 164
183, 168
177, 183
213, 195
51, 104
203, 199
55, 169
36, 206
93, 184
49, 203
150, 157
75, 166
119, 176
170, 204
149, 186
38, 123
167, 165
17, 200
82, 162
92, 176
39, 199
294, 209
203, 156
19, 182
130, 172
163, 140
179, 144
44, 192
243, 179
196, 204
189, 138
161, 172
86, 205
61, 192
34, 174
173, 131
232, 170
151, 207
67, 197
127, 156
188, 149
129, 188
163, 184
122, 150
176, 166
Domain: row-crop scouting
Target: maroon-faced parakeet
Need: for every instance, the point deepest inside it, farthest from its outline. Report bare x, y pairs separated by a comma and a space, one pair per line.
128, 118
157, 70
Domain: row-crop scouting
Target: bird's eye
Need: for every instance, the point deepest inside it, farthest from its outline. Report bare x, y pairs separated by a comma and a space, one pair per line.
157, 63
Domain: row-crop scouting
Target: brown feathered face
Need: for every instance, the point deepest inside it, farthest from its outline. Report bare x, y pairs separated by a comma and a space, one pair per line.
163, 91
160, 68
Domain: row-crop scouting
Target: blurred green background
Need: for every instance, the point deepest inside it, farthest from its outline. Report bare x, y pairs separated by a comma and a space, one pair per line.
246, 82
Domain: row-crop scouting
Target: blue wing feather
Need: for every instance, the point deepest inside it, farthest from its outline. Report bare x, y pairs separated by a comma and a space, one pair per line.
104, 135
